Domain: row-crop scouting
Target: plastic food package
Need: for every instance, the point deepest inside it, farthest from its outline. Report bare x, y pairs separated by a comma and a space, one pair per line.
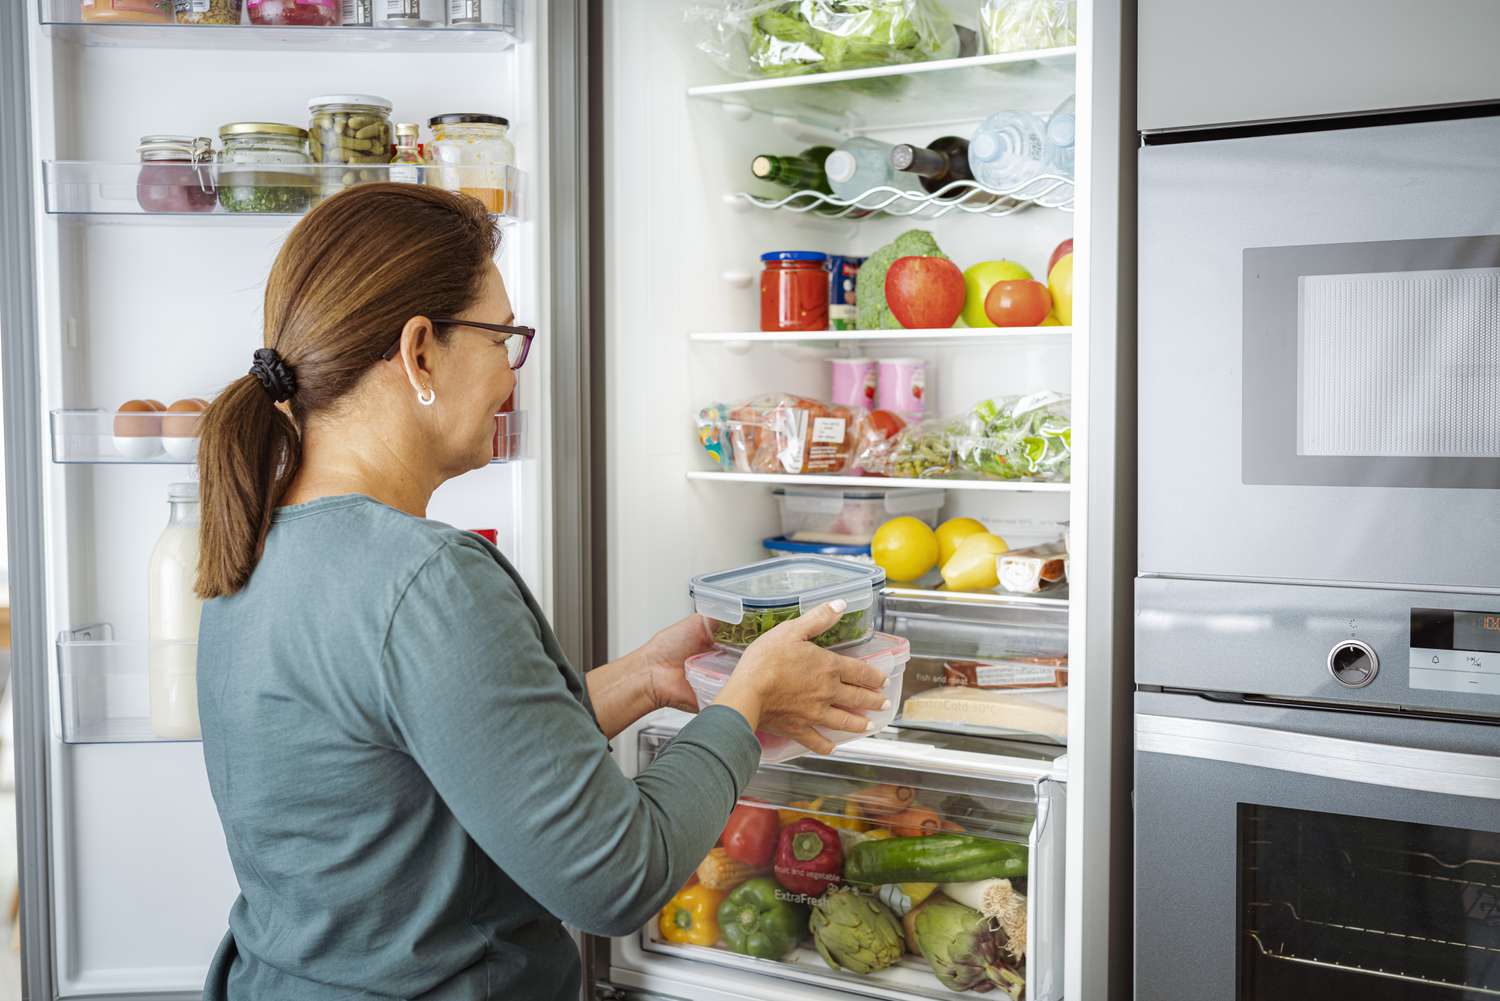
781, 433
745, 603
1028, 571
752, 38
849, 516
1021, 25
1009, 438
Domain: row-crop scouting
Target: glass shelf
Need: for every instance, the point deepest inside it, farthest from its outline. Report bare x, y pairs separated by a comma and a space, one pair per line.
888, 97
883, 482
1038, 336
89, 187
105, 686
63, 19
105, 436
1052, 191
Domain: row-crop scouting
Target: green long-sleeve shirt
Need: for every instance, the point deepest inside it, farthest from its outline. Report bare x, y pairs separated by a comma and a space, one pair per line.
413, 787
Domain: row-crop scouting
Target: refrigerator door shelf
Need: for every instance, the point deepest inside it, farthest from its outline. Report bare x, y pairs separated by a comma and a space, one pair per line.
855, 790
212, 191
105, 436
105, 686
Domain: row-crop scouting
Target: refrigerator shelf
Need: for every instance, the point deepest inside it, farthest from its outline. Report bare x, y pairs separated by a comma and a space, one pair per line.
883, 482
105, 687
1051, 191
885, 97
968, 336
105, 436
92, 187
63, 19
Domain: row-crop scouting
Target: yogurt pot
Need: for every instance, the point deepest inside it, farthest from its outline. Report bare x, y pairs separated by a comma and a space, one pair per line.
745, 603
708, 673
901, 384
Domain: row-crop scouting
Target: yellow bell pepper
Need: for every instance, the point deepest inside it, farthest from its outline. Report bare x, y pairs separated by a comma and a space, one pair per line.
829, 810
692, 917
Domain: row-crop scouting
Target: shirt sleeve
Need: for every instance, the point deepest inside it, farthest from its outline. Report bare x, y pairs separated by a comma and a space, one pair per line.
484, 710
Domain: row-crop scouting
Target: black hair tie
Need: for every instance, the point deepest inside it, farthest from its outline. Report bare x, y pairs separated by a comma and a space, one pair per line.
274, 375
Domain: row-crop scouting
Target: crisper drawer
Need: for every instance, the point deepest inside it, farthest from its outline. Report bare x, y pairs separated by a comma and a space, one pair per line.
860, 861
983, 664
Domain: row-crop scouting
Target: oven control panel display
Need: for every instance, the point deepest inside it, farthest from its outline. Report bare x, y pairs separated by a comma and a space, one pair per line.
1455, 651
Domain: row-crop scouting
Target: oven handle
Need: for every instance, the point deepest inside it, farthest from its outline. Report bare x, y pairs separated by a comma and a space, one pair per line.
1449, 773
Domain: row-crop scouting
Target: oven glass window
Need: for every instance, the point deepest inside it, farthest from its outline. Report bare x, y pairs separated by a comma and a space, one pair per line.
1399, 363
1350, 907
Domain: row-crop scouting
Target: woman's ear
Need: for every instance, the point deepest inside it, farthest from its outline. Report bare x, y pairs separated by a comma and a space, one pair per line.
415, 354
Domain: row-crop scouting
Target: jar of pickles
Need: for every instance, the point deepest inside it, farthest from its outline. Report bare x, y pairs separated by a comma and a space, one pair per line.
177, 174
351, 129
259, 168
470, 154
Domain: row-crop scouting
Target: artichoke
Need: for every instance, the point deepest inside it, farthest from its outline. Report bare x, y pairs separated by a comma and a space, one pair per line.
856, 933
965, 949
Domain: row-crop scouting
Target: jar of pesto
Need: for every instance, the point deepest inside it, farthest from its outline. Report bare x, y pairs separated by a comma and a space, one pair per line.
265, 167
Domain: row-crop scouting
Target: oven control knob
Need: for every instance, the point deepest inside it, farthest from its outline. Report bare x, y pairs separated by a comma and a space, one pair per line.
1353, 664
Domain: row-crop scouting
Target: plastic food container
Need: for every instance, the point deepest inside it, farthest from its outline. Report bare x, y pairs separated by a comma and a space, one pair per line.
294, 12
782, 546
176, 174
794, 291
849, 517
353, 129
708, 673
470, 154
744, 603
249, 180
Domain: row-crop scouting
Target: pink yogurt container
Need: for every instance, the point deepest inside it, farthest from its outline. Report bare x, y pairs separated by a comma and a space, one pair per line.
854, 382
901, 385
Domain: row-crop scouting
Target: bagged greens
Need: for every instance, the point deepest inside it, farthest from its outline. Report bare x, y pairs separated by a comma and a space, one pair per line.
1019, 25
1011, 438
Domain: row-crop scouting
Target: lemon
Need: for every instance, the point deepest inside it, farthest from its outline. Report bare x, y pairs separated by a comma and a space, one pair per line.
953, 532
1060, 284
973, 566
905, 548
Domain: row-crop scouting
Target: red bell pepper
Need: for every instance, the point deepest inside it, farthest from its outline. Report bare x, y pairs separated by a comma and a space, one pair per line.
809, 858
750, 835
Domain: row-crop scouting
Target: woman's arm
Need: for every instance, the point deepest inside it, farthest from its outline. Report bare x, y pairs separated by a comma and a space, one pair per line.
648, 679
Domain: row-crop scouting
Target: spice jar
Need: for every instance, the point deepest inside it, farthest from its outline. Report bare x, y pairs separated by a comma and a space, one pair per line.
176, 174
794, 291
140, 11
252, 174
471, 154
319, 13
352, 129
207, 11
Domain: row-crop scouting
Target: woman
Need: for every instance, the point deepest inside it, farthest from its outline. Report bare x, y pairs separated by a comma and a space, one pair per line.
415, 786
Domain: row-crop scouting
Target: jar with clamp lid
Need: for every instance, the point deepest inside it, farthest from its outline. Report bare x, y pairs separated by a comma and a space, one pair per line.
177, 174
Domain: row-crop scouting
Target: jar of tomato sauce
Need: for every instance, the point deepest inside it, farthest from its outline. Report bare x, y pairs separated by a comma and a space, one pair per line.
794, 290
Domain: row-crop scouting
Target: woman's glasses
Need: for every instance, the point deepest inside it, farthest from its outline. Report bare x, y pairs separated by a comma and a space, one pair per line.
517, 340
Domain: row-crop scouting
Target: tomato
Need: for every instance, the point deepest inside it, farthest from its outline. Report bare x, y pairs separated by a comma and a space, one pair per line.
750, 836
1017, 304
1066, 247
925, 292
885, 423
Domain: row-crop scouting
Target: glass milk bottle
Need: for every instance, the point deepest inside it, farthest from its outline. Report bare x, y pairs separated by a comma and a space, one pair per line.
172, 609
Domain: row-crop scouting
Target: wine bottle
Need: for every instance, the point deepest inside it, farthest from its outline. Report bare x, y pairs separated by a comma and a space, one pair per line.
803, 172
946, 160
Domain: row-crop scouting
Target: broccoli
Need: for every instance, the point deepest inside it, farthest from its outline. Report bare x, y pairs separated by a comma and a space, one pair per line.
869, 287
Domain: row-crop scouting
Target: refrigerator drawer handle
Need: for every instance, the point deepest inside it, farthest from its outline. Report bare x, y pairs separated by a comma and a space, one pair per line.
1475, 776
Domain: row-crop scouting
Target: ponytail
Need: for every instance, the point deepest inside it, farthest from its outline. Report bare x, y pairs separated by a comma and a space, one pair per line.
349, 276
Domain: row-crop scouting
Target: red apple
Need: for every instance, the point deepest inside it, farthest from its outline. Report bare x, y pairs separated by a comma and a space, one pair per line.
1066, 247
924, 292
1018, 303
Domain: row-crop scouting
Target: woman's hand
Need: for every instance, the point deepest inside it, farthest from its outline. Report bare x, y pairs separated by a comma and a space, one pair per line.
785, 684
663, 657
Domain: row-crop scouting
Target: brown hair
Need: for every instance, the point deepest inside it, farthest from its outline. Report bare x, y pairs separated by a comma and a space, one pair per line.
346, 281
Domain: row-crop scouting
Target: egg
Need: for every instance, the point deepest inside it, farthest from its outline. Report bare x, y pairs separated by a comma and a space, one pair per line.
138, 429
179, 429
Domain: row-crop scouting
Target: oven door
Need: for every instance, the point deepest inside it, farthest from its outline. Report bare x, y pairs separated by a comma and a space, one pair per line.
1320, 355
1278, 863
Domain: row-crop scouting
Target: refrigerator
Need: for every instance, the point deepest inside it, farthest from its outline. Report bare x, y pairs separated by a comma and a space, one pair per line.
632, 235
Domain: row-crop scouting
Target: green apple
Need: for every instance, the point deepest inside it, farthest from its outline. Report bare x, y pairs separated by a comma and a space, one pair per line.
979, 279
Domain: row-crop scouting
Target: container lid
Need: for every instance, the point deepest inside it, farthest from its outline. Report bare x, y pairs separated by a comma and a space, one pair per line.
367, 100
170, 147
839, 166
467, 118
408, 129
786, 581
261, 129
782, 544
794, 255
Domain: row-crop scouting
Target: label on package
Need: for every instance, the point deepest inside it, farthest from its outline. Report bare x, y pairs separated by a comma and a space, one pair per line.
404, 9
195, 7
828, 430
1011, 675
405, 173
842, 275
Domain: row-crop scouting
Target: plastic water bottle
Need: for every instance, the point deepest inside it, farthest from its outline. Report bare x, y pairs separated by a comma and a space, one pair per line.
1061, 128
862, 163
1008, 149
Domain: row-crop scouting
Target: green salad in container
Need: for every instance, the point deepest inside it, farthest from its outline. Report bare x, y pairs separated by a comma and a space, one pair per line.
743, 604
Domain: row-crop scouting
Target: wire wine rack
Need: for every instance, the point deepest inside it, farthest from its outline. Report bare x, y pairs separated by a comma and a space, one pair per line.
1051, 191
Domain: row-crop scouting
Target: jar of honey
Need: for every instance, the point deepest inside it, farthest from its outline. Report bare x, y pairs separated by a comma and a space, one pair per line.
794, 291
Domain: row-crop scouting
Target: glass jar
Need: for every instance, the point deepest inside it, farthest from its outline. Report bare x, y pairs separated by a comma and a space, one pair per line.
141, 11
408, 14
249, 178
794, 291
352, 129
471, 154
207, 11
172, 611
317, 13
176, 174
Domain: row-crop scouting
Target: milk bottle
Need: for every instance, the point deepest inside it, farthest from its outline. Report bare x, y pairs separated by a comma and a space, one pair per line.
172, 619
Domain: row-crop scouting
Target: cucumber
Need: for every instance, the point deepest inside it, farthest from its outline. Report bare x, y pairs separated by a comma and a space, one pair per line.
937, 858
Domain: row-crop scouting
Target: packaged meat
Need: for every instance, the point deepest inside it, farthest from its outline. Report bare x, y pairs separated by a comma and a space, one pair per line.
1027, 571
781, 433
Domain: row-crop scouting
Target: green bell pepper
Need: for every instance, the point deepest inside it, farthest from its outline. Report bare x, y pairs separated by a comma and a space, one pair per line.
757, 920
